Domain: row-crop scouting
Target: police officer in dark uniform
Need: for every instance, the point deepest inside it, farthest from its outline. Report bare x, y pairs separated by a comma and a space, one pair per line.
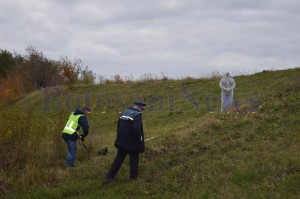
130, 140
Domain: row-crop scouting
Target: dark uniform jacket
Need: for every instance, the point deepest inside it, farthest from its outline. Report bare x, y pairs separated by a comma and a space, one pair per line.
130, 133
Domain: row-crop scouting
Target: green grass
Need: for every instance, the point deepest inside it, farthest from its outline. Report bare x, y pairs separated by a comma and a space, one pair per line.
196, 154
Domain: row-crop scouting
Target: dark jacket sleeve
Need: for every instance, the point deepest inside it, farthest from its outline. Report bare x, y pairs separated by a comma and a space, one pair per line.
118, 124
137, 126
82, 121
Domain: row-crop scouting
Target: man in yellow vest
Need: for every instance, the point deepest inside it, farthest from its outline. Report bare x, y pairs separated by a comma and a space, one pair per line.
70, 133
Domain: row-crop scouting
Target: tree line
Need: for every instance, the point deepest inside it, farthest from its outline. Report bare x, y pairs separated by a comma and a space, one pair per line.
20, 74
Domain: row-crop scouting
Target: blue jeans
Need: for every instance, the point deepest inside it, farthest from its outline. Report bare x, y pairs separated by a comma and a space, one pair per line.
70, 162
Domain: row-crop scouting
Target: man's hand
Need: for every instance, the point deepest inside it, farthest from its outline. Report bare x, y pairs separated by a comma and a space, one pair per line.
81, 137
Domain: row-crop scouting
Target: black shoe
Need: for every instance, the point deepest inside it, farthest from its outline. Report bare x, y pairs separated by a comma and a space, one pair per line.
106, 182
103, 151
132, 179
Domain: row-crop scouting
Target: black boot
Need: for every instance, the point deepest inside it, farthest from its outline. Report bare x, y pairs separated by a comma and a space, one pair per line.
106, 182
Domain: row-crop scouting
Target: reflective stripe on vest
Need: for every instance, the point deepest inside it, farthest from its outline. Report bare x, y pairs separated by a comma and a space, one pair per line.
72, 124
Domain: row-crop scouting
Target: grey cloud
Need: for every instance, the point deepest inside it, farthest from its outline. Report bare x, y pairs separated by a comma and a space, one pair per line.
173, 36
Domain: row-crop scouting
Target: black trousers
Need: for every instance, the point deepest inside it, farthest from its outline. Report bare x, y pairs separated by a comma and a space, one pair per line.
133, 163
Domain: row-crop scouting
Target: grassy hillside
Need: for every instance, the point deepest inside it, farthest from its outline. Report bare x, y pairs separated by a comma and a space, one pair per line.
192, 151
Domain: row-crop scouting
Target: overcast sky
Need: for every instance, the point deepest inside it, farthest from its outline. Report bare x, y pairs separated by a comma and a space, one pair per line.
177, 37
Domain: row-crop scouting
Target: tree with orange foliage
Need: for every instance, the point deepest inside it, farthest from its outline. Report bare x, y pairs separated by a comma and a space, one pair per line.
11, 87
70, 70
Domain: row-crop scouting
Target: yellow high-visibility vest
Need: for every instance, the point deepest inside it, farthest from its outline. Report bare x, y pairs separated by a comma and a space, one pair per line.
72, 124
